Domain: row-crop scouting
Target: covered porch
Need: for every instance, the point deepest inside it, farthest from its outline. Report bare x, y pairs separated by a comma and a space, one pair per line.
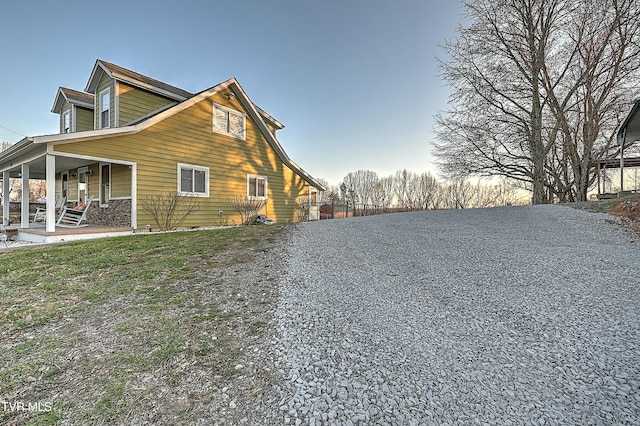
74, 178
37, 233
627, 163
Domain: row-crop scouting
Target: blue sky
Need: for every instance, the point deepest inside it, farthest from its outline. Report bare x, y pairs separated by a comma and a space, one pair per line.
355, 82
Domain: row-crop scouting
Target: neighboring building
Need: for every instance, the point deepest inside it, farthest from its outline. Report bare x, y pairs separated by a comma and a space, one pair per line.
627, 143
128, 136
335, 211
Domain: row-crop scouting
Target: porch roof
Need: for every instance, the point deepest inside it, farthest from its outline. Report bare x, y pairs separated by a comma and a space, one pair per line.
629, 130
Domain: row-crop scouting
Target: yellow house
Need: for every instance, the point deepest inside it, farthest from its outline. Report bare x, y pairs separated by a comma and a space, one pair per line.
128, 137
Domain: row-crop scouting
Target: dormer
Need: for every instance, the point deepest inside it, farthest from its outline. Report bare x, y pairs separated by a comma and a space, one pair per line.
123, 96
75, 109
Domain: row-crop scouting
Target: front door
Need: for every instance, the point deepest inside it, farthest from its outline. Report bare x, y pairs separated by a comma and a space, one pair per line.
83, 185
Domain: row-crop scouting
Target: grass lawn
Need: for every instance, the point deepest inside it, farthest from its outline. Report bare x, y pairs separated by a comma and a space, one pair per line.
145, 328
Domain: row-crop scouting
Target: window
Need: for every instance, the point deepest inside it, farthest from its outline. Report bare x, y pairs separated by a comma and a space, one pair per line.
64, 177
256, 187
228, 122
66, 122
83, 184
105, 105
193, 180
105, 178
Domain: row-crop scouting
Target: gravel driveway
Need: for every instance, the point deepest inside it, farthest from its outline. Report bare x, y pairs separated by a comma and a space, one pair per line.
519, 315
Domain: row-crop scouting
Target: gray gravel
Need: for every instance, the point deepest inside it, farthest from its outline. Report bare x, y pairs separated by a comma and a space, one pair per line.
521, 315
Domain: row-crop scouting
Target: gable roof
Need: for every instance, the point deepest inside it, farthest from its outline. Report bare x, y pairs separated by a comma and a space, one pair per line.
232, 84
82, 99
151, 84
135, 79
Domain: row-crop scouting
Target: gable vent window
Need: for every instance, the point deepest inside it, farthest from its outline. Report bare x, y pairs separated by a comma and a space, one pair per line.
229, 122
105, 109
193, 180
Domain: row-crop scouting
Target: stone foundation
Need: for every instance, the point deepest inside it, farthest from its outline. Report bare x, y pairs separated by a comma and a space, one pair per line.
117, 214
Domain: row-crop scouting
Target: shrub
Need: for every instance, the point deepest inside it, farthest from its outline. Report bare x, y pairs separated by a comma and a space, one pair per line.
169, 209
247, 208
302, 209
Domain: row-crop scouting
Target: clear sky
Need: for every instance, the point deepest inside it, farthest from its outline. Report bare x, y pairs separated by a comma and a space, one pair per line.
355, 82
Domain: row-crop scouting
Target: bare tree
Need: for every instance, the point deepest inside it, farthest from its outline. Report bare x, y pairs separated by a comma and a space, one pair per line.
384, 192
532, 90
362, 184
424, 189
589, 96
401, 188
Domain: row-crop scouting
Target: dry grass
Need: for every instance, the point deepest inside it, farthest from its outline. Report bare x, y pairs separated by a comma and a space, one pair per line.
626, 208
145, 329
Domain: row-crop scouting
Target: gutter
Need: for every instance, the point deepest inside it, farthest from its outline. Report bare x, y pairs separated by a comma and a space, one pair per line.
16, 148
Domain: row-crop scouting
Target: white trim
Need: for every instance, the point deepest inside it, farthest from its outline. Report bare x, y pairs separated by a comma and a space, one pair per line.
24, 206
266, 187
229, 112
65, 113
100, 110
134, 196
5, 197
92, 158
50, 175
116, 105
119, 198
74, 113
207, 175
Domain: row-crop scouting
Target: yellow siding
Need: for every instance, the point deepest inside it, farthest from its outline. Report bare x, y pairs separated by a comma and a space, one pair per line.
84, 119
58, 185
187, 137
135, 103
73, 186
94, 181
120, 181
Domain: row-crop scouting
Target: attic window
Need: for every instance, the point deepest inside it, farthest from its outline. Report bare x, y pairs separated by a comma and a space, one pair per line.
229, 122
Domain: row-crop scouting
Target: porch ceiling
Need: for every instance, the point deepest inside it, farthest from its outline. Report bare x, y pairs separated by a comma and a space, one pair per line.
37, 168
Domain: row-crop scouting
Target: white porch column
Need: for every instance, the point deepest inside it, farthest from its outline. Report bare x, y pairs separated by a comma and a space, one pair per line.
134, 196
24, 209
5, 198
50, 176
